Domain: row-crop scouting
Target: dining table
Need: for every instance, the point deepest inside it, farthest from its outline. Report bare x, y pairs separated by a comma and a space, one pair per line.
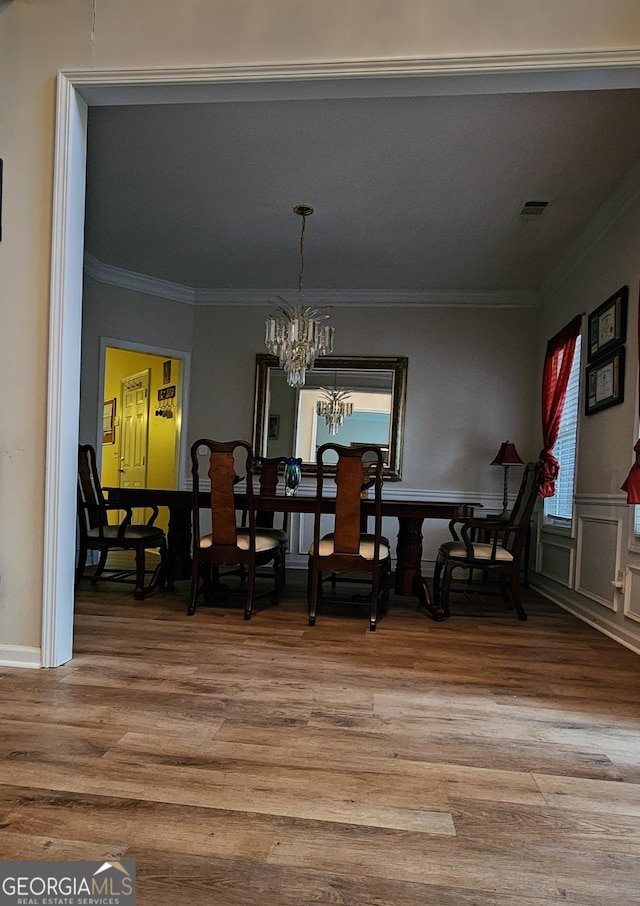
410, 514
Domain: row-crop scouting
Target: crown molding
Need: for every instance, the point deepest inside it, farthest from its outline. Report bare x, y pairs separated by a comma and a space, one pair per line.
137, 283
620, 200
385, 298
378, 298
580, 70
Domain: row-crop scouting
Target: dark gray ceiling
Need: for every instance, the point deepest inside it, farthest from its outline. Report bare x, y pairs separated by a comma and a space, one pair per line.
410, 193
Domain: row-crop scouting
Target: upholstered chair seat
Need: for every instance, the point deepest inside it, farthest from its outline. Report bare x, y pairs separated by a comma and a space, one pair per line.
263, 542
366, 549
456, 550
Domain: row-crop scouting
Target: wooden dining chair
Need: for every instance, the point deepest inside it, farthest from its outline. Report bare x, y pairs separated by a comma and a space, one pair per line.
97, 534
270, 470
499, 553
348, 549
228, 544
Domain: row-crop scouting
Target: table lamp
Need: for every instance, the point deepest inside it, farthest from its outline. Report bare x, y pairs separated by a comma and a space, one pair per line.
507, 456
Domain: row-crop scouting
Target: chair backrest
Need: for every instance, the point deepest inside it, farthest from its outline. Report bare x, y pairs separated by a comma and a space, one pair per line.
92, 510
268, 477
520, 517
228, 461
354, 463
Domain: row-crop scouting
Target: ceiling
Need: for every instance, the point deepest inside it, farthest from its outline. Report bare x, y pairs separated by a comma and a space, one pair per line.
411, 194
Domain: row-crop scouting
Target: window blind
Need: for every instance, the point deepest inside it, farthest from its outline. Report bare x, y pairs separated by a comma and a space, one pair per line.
559, 508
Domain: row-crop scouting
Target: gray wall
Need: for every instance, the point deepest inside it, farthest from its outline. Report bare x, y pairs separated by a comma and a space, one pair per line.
121, 314
472, 383
577, 569
472, 377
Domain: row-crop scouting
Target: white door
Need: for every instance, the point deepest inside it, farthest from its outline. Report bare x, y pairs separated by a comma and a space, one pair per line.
134, 436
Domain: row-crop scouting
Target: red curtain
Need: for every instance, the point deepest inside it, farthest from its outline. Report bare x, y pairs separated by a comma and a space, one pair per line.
632, 482
557, 368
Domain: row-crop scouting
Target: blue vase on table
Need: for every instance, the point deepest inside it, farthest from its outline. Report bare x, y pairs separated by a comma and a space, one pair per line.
292, 475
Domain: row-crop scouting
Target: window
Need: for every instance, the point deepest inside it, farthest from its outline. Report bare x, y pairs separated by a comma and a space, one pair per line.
558, 510
636, 522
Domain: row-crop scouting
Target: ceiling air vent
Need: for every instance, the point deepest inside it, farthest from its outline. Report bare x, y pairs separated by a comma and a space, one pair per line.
531, 210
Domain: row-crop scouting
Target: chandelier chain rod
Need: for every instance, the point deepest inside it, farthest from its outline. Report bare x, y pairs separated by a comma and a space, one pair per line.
297, 335
301, 271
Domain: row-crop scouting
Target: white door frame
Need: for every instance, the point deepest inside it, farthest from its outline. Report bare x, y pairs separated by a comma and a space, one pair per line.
76, 90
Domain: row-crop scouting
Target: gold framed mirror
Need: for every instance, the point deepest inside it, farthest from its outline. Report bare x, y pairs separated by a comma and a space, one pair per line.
287, 421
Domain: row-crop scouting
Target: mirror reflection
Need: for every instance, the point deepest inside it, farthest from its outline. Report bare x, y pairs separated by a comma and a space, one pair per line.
347, 400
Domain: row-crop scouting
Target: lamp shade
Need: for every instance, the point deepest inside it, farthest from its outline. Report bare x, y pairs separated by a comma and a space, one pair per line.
507, 455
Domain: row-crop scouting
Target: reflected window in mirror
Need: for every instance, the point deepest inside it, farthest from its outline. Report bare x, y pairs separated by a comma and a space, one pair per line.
376, 389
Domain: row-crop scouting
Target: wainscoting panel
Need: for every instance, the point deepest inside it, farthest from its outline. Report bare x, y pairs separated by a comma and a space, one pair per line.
598, 545
555, 561
632, 593
602, 555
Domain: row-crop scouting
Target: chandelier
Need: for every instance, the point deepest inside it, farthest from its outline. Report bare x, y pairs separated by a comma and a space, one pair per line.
334, 406
296, 335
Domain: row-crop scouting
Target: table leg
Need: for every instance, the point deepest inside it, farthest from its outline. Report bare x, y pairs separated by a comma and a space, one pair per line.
409, 580
179, 543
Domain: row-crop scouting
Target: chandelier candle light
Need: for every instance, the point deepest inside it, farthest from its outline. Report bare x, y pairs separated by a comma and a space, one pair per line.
334, 407
297, 335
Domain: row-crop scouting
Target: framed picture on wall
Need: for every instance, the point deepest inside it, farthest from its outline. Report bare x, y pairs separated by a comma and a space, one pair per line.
108, 422
274, 427
608, 324
605, 383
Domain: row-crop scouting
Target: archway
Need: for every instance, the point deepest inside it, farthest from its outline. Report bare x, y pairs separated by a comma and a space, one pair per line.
78, 90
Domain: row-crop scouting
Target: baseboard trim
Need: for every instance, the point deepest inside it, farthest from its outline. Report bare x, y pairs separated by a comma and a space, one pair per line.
574, 609
20, 656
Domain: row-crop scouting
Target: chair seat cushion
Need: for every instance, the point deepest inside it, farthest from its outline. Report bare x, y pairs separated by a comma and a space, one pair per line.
367, 546
278, 534
457, 551
148, 533
264, 541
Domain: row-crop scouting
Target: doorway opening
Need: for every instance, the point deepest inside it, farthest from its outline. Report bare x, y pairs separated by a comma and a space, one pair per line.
145, 392
77, 90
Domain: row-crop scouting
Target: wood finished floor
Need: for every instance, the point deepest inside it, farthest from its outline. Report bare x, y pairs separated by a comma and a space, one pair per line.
477, 761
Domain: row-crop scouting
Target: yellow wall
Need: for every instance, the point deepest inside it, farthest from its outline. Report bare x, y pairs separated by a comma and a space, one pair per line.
164, 433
